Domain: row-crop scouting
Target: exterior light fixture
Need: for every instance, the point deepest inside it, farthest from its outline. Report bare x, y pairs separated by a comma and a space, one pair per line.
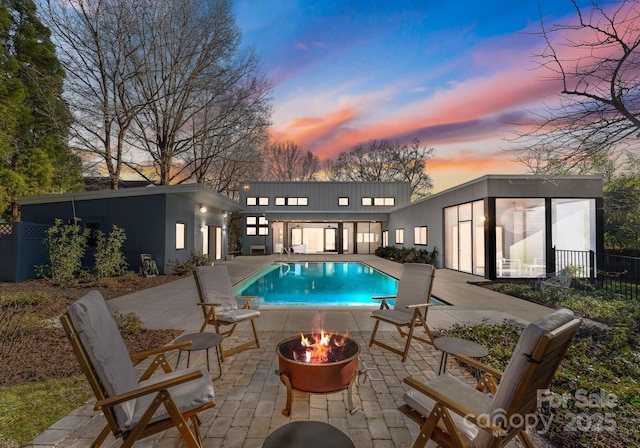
203, 209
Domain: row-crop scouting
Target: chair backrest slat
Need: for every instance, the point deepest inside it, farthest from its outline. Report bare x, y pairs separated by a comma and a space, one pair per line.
214, 286
414, 285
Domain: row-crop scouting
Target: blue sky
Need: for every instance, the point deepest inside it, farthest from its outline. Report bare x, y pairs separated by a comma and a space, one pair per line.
456, 75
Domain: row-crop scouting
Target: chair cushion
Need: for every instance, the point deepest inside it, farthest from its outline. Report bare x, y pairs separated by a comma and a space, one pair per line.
456, 390
396, 316
237, 315
514, 371
106, 350
216, 286
414, 285
186, 396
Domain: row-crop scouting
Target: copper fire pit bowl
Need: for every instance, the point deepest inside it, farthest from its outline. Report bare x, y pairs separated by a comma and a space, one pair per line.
339, 371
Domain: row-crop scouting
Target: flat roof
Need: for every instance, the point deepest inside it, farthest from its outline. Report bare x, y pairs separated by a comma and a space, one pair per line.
195, 192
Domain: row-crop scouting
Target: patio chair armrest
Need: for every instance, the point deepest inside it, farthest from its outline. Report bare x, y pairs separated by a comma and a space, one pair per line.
152, 388
480, 365
383, 297
478, 419
158, 350
418, 305
205, 304
247, 297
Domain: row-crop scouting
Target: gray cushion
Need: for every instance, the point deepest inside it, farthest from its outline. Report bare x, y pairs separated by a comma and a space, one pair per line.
459, 392
186, 396
414, 286
514, 371
216, 287
395, 316
106, 350
237, 315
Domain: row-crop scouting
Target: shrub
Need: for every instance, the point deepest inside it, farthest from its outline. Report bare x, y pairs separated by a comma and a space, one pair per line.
187, 266
129, 323
16, 320
408, 255
66, 244
109, 258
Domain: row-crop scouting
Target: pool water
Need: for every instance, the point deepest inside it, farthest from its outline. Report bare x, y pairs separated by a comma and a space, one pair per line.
318, 283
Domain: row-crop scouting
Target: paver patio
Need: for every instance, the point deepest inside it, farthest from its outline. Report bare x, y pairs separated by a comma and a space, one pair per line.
249, 395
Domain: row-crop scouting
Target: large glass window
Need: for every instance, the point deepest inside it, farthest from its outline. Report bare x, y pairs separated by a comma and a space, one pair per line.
520, 237
181, 235
420, 235
573, 229
464, 237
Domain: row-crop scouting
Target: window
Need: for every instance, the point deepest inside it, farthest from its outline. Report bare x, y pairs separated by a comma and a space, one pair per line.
385, 238
251, 201
181, 234
378, 202
263, 201
257, 225
343, 201
399, 236
420, 235
280, 201
296, 201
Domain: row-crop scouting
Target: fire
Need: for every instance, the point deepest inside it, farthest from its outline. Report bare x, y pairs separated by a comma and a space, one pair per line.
319, 346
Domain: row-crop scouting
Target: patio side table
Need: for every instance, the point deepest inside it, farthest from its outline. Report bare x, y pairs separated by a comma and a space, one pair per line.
308, 434
201, 341
458, 346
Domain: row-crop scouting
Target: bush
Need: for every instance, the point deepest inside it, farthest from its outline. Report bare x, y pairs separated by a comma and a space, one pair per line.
129, 323
109, 259
408, 255
67, 244
16, 320
187, 266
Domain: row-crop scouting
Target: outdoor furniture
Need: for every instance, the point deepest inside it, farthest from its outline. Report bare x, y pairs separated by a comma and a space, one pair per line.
220, 308
458, 346
134, 408
410, 308
454, 413
200, 341
509, 267
307, 434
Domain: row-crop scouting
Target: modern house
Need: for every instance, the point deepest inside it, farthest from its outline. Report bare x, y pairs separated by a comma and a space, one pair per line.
496, 226
167, 222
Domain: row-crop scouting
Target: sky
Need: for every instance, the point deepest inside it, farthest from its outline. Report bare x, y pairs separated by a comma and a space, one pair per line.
455, 75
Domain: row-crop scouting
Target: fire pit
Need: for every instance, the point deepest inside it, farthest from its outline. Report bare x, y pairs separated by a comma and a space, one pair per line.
318, 363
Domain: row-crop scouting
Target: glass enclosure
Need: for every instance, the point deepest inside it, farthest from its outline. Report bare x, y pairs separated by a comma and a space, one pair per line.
573, 224
520, 237
464, 237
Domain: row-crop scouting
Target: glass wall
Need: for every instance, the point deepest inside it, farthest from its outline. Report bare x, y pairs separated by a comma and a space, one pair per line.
464, 237
573, 224
368, 237
520, 237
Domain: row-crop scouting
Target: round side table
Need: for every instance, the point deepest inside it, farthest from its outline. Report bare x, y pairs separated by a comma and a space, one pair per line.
201, 341
307, 434
458, 346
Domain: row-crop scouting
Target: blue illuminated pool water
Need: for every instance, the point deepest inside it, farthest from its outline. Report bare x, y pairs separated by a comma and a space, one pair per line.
318, 283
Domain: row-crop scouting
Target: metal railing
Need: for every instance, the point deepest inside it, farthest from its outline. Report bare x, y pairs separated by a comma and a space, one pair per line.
616, 273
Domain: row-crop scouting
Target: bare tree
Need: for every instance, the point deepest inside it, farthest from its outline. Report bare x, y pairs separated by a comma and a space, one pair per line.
285, 160
93, 40
596, 60
384, 161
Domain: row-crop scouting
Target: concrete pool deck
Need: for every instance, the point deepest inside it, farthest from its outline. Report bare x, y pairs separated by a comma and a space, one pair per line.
249, 396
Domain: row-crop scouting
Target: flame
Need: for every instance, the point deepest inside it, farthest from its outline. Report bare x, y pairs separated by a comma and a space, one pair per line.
320, 345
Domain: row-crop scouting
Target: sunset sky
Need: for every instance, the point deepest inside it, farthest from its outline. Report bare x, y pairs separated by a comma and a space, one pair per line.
456, 75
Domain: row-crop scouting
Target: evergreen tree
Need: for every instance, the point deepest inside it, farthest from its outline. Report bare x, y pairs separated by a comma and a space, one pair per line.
34, 118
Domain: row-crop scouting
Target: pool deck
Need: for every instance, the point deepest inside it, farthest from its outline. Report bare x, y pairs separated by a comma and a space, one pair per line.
249, 396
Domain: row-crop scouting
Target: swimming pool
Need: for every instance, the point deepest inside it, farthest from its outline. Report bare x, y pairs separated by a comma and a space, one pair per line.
318, 283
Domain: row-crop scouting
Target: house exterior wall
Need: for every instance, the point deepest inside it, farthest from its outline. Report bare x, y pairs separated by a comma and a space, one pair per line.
322, 204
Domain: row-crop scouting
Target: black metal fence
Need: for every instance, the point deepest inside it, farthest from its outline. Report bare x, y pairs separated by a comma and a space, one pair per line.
616, 273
